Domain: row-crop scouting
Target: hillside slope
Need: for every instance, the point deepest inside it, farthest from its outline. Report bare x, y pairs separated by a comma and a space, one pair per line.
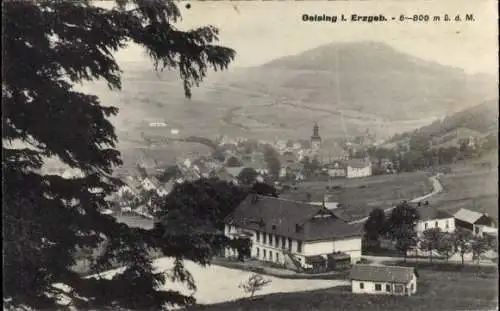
477, 121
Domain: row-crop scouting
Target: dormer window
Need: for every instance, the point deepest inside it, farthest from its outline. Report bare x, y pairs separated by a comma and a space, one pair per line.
273, 227
298, 228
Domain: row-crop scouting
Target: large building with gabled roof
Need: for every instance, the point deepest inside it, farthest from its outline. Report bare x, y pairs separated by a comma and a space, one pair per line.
294, 234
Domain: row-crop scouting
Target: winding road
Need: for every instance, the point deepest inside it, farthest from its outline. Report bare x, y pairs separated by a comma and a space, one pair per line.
437, 188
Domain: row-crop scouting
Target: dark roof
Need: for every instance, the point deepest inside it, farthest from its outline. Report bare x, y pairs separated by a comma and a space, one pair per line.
430, 213
357, 163
281, 217
336, 165
379, 273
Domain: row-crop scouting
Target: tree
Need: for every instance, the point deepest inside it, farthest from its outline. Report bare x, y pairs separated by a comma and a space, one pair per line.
247, 176
264, 189
406, 239
315, 165
462, 241
401, 226
218, 154
403, 214
49, 47
254, 283
233, 162
445, 245
375, 225
479, 246
273, 163
430, 240
169, 173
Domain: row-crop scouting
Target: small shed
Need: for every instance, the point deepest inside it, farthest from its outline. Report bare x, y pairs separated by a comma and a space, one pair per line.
384, 280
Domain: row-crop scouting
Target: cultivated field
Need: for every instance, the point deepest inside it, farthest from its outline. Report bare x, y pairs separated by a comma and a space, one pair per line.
471, 186
363, 194
437, 290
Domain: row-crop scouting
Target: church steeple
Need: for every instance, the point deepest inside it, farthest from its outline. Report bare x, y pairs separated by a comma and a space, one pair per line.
316, 130
315, 138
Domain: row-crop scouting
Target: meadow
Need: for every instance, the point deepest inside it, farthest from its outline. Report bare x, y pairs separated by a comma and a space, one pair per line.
359, 196
437, 290
470, 185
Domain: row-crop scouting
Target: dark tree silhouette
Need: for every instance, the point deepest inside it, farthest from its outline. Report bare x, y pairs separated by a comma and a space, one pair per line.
430, 240
273, 163
401, 226
48, 48
233, 162
247, 176
264, 189
375, 225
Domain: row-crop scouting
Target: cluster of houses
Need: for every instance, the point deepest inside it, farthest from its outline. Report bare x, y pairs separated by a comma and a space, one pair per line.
296, 235
314, 237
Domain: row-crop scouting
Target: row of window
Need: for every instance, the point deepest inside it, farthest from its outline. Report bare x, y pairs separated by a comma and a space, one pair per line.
278, 241
436, 224
378, 287
266, 253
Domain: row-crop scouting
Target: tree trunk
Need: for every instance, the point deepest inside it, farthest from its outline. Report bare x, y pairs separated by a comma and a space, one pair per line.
462, 255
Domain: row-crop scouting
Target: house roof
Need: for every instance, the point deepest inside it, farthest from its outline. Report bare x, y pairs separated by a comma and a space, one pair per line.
357, 163
234, 171
431, 212
467, 215
336, 165
379, 273
281, 217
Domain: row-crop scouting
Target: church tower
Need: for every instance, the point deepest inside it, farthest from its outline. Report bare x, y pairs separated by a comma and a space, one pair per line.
315, 138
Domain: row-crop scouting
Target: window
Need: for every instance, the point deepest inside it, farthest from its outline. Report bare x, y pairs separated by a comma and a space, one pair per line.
283, 242
257, 237
378, 287
270, 256
299, 246
276, 241
264, 254
436, 224
270, 239
264, 238
277, 257
388, 288
289, 244
447, 225
477, 230
361, 285
398, 288
425, 225
257, 252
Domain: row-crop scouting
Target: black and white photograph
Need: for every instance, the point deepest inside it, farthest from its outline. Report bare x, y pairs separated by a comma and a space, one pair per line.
250, 155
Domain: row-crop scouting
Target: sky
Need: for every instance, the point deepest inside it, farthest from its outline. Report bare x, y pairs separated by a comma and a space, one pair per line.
261, 31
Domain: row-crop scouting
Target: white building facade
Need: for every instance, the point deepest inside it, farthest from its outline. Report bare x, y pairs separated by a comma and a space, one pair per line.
383, 280
279, 235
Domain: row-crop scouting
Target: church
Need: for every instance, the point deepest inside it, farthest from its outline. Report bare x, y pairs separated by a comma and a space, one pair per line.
337, 160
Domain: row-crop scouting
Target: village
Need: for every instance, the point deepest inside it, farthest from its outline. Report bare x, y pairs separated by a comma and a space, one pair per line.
304, 231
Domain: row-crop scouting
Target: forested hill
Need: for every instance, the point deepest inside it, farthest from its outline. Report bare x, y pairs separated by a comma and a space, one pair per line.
480, 120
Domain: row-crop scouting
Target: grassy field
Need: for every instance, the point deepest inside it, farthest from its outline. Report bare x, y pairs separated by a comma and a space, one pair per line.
471, 186
437, 290
363, 194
